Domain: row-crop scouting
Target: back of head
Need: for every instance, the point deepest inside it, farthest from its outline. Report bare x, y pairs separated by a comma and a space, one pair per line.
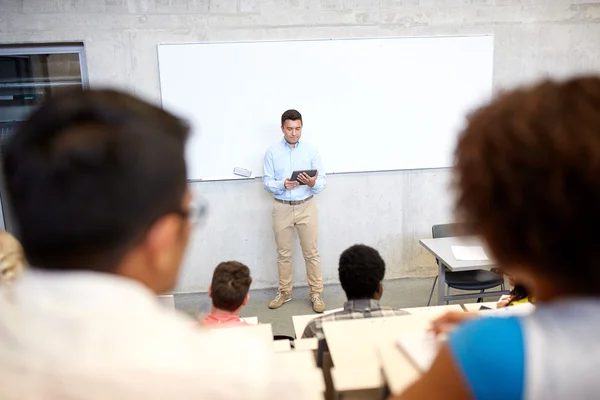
361, 269
528, 176
230, 285
89, 173
12, 259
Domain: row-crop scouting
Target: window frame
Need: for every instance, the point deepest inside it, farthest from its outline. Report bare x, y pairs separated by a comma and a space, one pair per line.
25, 49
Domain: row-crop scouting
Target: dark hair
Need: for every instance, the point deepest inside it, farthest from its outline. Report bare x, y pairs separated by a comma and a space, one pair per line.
528, 176
230, 285
292, 115
361, 269
89, 173
519, 292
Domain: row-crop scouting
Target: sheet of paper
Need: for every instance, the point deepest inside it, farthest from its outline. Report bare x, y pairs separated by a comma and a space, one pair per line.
469, 253
519, 309
420, 347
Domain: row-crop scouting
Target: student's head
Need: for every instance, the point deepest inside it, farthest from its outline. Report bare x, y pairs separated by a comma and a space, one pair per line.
12, 259
230, 285
528, 176
291, 126
97, 181
361, 270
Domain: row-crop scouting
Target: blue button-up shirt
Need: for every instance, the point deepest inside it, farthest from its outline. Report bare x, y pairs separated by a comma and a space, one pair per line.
281, 160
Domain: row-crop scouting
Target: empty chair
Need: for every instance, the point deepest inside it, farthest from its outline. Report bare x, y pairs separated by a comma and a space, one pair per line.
464, 280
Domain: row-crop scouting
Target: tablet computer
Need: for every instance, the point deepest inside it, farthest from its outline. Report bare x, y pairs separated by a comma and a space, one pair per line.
309, 172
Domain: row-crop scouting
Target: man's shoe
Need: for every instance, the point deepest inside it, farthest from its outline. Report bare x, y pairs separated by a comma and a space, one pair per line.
318, 303
280, 300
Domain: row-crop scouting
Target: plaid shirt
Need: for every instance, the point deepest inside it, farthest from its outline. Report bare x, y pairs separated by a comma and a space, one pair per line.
353, 309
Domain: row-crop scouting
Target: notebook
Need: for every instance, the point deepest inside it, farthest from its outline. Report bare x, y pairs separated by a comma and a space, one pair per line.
420, 347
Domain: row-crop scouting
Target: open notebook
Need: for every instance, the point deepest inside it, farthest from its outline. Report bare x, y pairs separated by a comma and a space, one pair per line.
420, 347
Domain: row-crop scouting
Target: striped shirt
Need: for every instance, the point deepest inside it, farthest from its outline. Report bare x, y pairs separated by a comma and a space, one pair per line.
353, 309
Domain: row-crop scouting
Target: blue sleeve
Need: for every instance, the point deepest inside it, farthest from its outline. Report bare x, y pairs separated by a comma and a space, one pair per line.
269, 182
490, 354
318, 165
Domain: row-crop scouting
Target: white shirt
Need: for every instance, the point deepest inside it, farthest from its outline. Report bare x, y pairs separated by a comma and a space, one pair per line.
562, 350
86, 335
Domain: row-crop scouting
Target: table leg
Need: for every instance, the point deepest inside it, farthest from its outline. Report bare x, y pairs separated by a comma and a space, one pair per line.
441, 283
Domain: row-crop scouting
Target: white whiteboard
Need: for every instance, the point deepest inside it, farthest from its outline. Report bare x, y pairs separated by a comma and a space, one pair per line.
367, 104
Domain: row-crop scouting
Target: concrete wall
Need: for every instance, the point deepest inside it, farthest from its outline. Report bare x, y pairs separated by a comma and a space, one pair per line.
390, 210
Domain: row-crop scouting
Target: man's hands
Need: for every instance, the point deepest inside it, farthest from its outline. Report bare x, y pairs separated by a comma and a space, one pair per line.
304, 178
307, 180
289, 185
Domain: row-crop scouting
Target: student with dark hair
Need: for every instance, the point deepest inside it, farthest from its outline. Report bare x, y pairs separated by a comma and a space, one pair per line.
361, 271
518, 295
229, 293
526, 173
97, 183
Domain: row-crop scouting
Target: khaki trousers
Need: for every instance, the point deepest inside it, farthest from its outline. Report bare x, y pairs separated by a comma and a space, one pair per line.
303, 217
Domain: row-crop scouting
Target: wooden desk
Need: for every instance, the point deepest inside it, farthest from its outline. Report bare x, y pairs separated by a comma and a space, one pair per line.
250, 320
300, 322
357, 382
433, 312
441, 249
356, 343
281, 346
303, 363
306, 344
263, 332
398, 371
477, 306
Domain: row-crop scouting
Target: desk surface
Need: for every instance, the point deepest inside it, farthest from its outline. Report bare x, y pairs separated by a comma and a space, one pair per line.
477, 306
281, 345
441, 249
302, 363
357, 343
263, 332
300, 322
371, 343
398, 371
306, 344
250, 320
434, 311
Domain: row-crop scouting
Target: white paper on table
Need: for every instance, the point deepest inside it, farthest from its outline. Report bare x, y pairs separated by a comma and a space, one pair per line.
517, 309
469, 253
420, 347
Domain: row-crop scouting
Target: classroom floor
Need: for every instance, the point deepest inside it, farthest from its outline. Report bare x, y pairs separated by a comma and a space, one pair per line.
398, 293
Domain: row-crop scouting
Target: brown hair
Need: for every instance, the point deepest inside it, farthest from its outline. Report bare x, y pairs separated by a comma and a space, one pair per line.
527, 176
230, 285
292, 115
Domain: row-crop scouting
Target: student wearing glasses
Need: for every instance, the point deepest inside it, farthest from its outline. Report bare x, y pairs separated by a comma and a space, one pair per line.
97, 183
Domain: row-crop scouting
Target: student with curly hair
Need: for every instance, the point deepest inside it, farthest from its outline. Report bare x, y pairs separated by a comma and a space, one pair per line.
527, 176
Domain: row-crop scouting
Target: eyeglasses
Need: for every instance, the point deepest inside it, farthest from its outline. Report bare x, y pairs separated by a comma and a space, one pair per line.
196, 211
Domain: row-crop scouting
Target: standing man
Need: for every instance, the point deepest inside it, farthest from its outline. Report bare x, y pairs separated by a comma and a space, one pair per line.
295, 207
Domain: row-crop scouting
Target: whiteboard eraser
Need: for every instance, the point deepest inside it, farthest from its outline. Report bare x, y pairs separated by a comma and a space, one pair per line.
242, 172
